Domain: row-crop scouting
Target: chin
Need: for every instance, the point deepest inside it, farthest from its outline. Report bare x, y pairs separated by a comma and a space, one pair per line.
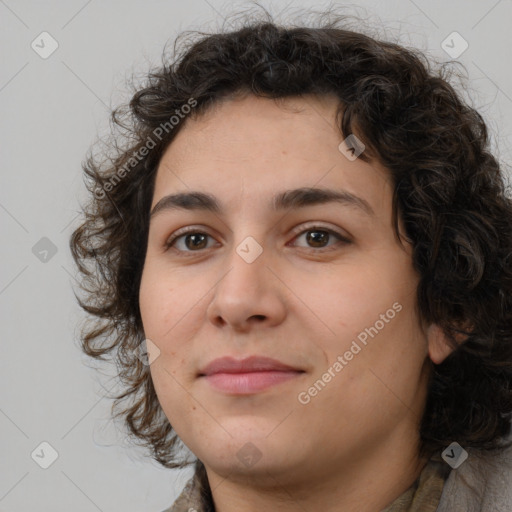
247, 450
252, 461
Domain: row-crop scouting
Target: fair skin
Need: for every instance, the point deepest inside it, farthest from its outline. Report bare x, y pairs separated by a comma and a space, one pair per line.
353, 445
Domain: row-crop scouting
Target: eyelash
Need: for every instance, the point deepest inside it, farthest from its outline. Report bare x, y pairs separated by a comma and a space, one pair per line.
304, 229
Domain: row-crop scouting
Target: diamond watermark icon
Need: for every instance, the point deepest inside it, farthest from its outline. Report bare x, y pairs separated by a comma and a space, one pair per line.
44, 45
454, 455
44, 455
44, 250
351, 147
147, 351
454, 45
249, 454
249, 249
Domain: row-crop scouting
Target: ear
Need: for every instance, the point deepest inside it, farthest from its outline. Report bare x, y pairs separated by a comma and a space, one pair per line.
439, 347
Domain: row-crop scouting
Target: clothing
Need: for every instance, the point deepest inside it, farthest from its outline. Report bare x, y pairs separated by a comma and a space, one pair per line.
483, 483
425, 493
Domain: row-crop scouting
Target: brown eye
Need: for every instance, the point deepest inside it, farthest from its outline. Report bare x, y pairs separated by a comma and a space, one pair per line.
195, 241
319, 237
191, 241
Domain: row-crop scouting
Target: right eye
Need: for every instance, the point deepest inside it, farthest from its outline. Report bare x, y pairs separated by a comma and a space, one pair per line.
189, 240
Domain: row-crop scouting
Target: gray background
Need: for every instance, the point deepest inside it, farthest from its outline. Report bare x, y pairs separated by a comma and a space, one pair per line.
52, 110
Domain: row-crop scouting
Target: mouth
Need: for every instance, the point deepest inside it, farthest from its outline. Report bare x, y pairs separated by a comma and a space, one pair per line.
247, 376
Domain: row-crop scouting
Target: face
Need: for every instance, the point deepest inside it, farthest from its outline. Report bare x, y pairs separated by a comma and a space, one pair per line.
319, 286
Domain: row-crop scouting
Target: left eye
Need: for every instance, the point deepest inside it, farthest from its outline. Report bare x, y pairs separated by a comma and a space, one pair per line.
194, 241
318, 236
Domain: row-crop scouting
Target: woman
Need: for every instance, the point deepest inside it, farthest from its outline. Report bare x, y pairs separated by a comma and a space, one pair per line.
301, 263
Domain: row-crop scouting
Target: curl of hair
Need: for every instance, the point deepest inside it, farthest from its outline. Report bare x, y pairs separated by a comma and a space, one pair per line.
448, 189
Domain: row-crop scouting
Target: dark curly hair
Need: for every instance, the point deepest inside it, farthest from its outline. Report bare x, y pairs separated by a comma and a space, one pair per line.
449, 191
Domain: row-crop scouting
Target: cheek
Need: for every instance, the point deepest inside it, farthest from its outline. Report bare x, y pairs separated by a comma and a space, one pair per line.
159, 310
375, 330
151, 295
171, 312
351, 303
177, 403
166, 316
382, 376
160, 303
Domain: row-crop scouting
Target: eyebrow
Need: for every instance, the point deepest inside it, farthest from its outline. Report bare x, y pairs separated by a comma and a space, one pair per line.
289, 199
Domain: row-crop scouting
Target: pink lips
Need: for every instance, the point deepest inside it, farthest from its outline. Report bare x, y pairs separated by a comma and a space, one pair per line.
247, 376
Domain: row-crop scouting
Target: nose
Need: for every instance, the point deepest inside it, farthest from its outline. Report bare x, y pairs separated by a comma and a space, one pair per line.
247, 295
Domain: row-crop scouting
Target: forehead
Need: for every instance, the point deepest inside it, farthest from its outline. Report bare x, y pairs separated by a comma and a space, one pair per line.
251, 147
253, 127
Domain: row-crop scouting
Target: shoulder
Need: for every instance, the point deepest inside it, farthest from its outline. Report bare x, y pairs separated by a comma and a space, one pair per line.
189, 500
483, 483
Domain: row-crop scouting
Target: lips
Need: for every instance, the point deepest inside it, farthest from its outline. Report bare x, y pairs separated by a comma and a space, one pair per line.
247, 376
248, 365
